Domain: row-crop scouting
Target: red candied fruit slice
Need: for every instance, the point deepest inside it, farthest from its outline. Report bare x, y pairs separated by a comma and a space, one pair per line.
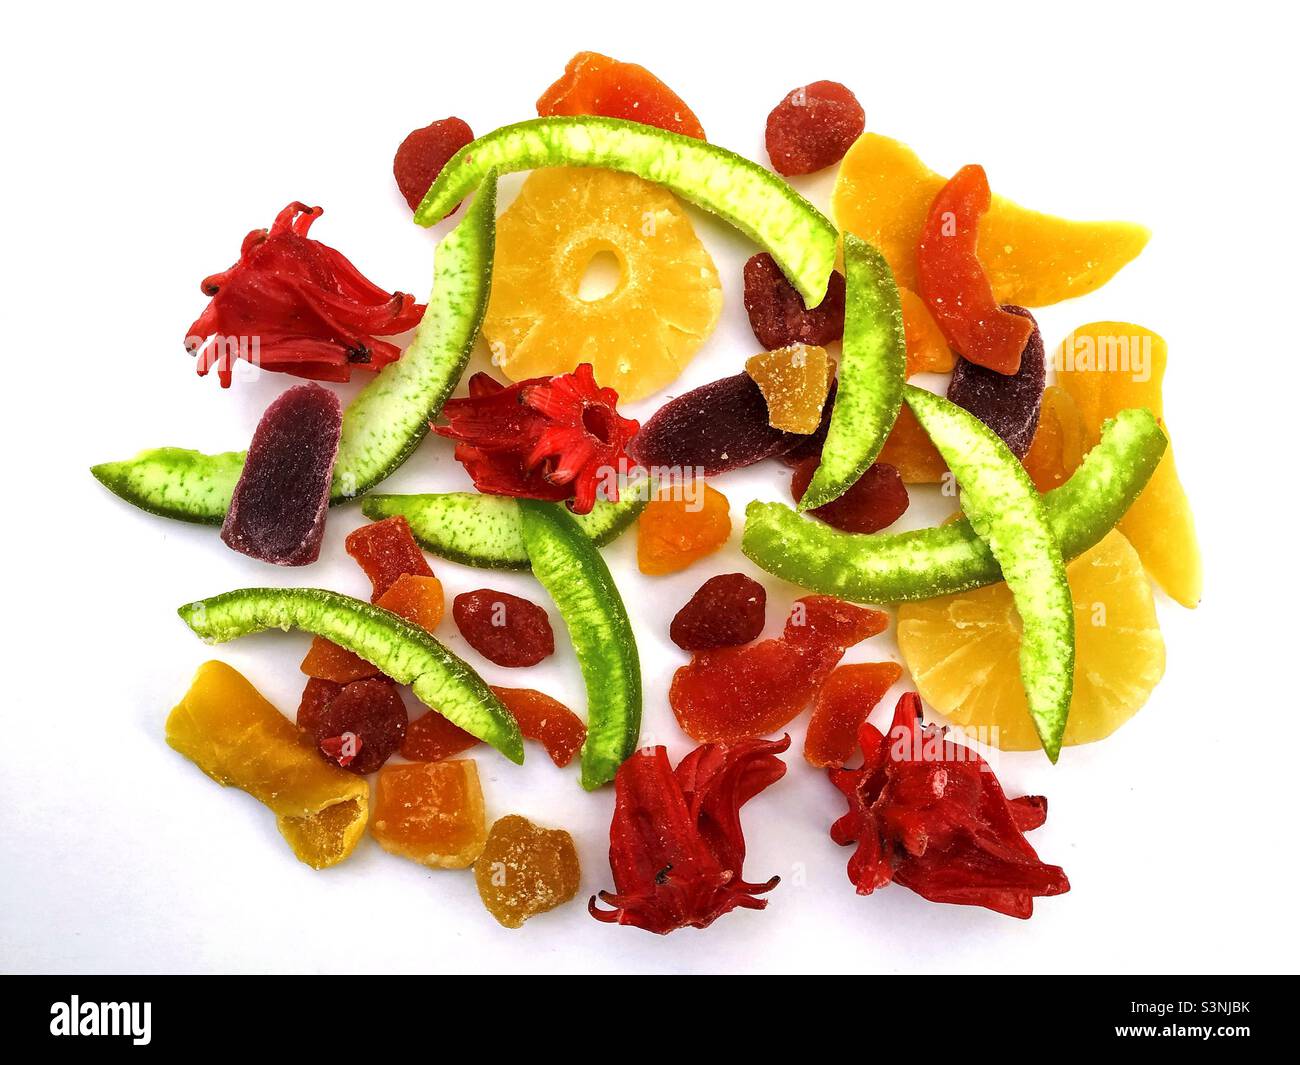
431, 738
595, 84
736, 693
386, 550
1008, 404
316, 695
362, 726
777, 313
546, 720
277, 512
422, 155
725, 611
875, 501
813, 127
717, 427
503, 628
844, 702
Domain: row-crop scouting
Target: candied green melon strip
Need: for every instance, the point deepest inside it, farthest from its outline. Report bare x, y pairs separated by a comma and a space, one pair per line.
873, 367
174, 482
403, 651
753, 199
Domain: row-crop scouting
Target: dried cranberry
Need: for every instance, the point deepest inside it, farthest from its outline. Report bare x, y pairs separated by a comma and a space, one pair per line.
726, 611
421, 157
362, 726
875, 501
777, 313
1008, 404
813, 127
503, 628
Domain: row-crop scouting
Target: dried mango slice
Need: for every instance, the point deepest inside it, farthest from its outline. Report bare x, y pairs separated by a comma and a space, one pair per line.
793, 380
225, 727
883, 194
927, 348
1106, 367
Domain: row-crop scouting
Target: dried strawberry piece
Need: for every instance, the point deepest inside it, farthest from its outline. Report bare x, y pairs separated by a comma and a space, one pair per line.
813, 127
422, 155
316, 695
777, 313
929, 814
503, 628
676, 847
725, 611
875, 500
277, 511
362, 726
550, 438
1009, 404
294, 305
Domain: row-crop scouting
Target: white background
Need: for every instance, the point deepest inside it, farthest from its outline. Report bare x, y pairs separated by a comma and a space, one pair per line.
142, 143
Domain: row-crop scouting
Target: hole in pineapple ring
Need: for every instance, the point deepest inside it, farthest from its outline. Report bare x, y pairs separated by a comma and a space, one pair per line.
602, 276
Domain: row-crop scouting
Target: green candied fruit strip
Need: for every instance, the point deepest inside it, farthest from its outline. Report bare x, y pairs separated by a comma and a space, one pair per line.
925, 563
403, 651
753, 199
381, 427
572, 571
1007, 512
487, 531
873, 367
391, 415
174, 482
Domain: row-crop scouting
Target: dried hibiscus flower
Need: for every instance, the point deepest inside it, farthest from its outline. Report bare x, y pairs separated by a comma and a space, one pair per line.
550, 438
294, 305
675, 845
929, 814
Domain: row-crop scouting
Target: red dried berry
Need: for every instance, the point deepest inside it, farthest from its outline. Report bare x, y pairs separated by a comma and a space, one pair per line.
317, 695
813, 127
875, 501
421, 157
370, 711
386, 550
1009, 404
726, 611
503, 628
777, 313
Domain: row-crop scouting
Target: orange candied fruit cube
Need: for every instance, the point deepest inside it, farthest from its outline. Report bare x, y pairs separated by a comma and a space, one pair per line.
431, 812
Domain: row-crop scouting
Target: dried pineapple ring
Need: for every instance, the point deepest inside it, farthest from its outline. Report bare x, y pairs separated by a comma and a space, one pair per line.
638, 337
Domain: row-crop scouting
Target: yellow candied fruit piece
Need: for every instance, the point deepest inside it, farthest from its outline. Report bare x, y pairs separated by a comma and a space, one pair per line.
682, 524
225, 727
883, 193
640, 335
963, 652
927, 349
1107, 367
431, 812
525, 870
1058, 446
794, 381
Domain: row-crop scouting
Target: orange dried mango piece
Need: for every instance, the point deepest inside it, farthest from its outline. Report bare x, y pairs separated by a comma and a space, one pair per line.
909, 450
595, 84
431, 812
883, 194
225, 727
1057, 448
927, 349
794, 381
525, 870
681, 525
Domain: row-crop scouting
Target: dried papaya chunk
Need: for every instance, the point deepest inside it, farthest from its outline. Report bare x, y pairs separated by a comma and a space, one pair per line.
431, 812
883, 194
225, 727
595, 84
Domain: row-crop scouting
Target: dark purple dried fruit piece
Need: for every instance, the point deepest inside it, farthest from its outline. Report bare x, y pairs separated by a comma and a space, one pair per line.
777, 313
1007, 403
361, 727
726, 611
717, 427
277, 513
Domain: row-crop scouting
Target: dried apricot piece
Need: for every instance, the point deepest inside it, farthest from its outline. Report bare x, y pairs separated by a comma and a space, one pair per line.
777, 313
909, 450
725, 611
503, 628
1007, 403
431, 812
793, 381
595, 84
424, 152
875, 500
927, 348
386, 550
812, 127
546, 720
1057, 448
361, 727
681, 525
843, 703
525, 870
431, 738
